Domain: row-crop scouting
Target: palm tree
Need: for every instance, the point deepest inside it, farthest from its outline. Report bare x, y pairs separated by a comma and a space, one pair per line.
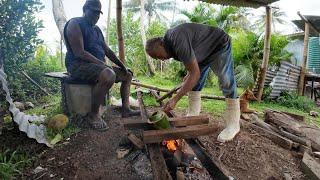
278, 17
223, 17
144, 38
151, 7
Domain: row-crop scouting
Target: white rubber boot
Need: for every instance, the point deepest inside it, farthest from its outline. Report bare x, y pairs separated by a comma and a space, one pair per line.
194, 107
232, 120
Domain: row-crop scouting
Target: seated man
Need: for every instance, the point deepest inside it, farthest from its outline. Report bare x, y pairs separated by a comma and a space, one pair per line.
85, 61
201, 48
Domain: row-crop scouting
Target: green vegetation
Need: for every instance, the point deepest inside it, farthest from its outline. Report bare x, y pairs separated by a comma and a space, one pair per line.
12, 164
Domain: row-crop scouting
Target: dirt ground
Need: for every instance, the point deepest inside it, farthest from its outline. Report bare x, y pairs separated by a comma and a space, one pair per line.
92, 155
252, 156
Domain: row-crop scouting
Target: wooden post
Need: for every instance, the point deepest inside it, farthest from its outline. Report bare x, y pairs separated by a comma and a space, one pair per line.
119, 31
305, 57
266, 54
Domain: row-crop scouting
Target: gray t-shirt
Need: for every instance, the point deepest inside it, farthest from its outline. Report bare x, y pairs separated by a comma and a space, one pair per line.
190, 40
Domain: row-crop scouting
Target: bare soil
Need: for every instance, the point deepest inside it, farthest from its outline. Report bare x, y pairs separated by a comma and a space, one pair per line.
92, 155
252, 156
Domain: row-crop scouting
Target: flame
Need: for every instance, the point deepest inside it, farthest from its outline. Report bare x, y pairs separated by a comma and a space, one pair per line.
171, 145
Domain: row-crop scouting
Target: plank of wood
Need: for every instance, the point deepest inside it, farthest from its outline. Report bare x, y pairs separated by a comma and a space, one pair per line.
58, 75
310, 166
154, 136
136, 141
158, 164
281, 141
175, 122
189, 120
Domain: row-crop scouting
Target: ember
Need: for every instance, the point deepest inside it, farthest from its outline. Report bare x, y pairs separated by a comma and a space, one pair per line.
172, 145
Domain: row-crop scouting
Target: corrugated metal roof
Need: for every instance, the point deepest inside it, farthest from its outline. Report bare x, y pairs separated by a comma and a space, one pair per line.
241, 3
314, 20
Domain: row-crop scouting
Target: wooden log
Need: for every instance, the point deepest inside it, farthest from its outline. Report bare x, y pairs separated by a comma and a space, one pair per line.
311, 167
35, 83
175, 122
274, 137
284, 121
149, 86
213, 97
158, 164
295, 116
154, 136
136, 141
281, 132
169, 94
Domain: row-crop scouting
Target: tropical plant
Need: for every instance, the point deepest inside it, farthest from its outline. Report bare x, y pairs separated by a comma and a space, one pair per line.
224, 17
278, 17
153, 8
19, 28
135, 57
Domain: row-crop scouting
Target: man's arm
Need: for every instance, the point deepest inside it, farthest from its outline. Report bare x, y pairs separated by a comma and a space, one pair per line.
75, 39
191, 79
110, 54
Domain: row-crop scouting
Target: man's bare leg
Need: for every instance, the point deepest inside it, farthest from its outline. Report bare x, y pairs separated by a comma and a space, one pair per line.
125, 80
105, 81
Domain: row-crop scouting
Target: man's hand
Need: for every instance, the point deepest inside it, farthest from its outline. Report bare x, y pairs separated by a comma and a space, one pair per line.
170, 105
127, 71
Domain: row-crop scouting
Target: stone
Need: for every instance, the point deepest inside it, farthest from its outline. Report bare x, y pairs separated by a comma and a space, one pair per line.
19, 105
28, 105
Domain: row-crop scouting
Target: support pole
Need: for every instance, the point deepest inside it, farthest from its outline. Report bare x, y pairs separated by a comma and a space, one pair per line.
305, 57
119, 30
266, 54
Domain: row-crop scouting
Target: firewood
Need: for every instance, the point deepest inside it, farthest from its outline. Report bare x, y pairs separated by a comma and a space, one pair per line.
136, 141
154, 136
284, 121
274, 137
158, 164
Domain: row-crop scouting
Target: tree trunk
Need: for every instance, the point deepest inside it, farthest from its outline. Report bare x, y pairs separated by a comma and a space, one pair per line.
59, 15
108, 22
305, 57
144, 38
119, 31
266, 54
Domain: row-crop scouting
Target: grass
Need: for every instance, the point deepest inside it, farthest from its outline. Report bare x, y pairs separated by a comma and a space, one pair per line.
12, 164
54, 108
217, 107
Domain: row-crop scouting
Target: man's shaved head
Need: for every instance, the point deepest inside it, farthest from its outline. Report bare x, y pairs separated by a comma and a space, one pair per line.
156, 49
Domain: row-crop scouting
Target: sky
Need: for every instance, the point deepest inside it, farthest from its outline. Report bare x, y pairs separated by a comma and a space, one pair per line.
73, 8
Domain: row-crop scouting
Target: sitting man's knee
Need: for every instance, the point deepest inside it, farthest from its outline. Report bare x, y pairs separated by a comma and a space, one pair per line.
107, 76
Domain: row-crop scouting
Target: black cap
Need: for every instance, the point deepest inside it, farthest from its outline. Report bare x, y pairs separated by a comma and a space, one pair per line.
94, 5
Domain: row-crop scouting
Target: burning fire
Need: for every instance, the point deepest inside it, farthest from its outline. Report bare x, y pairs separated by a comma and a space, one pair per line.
172, 145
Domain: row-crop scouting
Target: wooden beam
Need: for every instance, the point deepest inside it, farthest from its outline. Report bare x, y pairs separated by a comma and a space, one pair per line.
35, 83
175, 122
304, 59
266, 54
154, 136
144, 114
158, 164
311, 167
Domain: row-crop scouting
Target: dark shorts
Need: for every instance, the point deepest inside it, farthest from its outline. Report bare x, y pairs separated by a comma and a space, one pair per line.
89, 72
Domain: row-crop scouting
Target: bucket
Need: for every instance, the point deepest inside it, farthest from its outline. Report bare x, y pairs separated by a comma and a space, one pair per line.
159, 119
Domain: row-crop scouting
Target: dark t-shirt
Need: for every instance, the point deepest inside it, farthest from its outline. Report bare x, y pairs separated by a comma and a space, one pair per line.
190, 40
